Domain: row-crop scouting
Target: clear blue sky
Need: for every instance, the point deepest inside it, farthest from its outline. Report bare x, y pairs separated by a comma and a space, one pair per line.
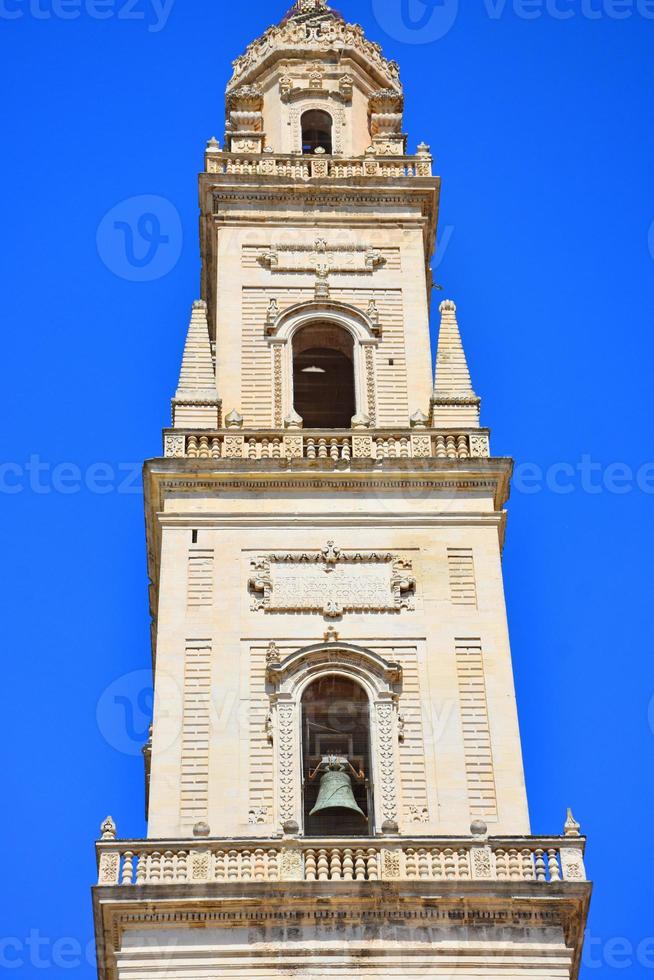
542, 130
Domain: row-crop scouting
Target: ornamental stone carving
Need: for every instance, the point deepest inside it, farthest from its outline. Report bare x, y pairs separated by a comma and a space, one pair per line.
332, 582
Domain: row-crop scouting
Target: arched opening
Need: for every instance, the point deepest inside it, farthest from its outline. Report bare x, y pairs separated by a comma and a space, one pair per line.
323, 376
336, 726
317, 128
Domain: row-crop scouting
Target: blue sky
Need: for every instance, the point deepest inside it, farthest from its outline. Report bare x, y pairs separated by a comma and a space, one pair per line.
540, 119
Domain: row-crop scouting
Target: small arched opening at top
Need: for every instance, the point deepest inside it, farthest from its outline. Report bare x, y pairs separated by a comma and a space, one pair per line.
317, 127
336, 725
323, 376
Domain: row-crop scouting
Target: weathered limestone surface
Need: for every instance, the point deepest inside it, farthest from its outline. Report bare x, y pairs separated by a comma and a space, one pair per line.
280, 555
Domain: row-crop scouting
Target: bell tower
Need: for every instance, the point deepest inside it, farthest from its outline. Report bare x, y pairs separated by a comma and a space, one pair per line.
334, 781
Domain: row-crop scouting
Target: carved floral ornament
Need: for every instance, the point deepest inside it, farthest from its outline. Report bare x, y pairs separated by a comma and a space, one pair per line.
332, 582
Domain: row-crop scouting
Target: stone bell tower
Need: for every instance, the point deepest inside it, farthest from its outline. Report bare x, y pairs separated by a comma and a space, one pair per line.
335, 782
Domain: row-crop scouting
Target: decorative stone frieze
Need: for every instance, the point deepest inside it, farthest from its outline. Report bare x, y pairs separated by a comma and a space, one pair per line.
332, 582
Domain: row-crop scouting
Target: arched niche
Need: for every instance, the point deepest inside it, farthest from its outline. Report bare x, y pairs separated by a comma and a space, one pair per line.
381, 681
317, 131
323, 376
345, 331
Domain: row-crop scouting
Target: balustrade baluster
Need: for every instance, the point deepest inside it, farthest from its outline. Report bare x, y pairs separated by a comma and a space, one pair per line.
310, 868
154, 867
501, 864
372, 865
311, 452
322, 448
360, 865
273, 865
181, 866
142, 868
128, 868
323, 865
348, 864
441, 448
259, 865
450, 863
450, 443
192, 447
528, 872
168, 868
335, 867
232, 865
541, 870
553, 864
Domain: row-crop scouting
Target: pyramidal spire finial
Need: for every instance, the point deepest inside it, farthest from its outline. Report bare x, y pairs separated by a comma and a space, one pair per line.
196, 403
454, 402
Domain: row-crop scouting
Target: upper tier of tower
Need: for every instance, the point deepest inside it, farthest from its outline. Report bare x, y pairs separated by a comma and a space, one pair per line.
314, 83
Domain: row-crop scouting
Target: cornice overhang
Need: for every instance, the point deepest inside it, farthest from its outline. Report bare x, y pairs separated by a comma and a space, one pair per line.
452, 905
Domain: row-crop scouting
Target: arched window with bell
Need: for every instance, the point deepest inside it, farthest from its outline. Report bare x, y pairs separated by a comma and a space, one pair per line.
337, 788
334, 722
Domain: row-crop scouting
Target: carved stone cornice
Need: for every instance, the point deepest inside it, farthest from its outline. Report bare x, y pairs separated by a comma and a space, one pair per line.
503, 909
317, 33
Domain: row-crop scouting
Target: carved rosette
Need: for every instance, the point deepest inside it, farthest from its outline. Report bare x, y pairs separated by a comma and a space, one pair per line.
174, 446
109, 869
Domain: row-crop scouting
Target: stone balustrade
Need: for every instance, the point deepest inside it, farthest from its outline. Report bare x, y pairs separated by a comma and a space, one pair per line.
339, 446
300, 167
524, 859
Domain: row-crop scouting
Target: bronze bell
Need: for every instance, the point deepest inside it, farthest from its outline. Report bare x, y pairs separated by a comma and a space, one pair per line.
336, 794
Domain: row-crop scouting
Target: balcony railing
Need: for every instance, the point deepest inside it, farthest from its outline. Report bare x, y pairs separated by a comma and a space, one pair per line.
545, 861
318, 167
339, 446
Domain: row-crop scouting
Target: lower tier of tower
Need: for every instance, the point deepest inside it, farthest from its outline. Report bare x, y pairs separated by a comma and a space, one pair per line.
372, 930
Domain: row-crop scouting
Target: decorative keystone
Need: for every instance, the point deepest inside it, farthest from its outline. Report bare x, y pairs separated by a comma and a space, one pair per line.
418, 420
234, 420
108, 829
571, 828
